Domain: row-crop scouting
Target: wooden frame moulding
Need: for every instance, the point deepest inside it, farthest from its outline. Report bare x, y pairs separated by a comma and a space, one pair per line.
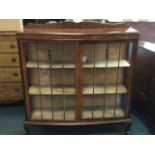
130, 76
22, 55
78, 76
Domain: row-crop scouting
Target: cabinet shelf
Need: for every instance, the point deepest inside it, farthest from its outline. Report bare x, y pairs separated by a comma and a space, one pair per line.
111, 89
108, 64
57, 115
108, 113
43, 90
46, 65
36, 90
70, 114
98, 64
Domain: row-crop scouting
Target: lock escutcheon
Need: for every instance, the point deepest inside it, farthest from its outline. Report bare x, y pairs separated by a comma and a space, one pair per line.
13, 59
12, 46
15, 74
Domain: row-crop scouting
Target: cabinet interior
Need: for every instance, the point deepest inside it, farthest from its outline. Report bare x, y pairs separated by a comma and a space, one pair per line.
52, 79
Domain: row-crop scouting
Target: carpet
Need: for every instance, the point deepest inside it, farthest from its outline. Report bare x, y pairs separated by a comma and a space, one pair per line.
12, 119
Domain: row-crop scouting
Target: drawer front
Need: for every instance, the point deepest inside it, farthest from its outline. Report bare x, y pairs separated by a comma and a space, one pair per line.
7, 60
11, 90
7, 37
8, 46
10, 74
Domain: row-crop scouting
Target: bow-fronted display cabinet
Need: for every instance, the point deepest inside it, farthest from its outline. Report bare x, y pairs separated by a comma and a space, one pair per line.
77, 73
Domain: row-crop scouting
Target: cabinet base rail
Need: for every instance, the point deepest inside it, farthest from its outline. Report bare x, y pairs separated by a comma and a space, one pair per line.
126, 121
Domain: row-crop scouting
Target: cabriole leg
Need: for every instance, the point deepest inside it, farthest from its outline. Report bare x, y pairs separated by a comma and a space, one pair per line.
128, 126
27, 128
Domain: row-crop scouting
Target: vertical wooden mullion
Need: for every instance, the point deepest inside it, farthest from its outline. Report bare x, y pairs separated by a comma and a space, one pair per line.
39, 81
117, 75
78, 81
125, 79
93, 79
130, 72
63, 84
51, 75
105, 76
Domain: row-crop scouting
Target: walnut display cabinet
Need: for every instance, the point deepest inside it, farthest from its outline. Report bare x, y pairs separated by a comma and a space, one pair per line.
77, 73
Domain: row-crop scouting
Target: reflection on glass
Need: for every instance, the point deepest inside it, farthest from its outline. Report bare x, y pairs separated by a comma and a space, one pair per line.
104, 89
51, 74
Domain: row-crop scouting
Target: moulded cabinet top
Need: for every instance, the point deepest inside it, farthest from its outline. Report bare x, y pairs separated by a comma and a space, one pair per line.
85, 30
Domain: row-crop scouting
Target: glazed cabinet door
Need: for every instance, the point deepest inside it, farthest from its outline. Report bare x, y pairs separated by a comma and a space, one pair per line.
106, 68
51, 81
77, 81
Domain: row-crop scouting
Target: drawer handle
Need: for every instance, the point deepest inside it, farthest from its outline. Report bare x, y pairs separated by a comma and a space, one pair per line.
15, 74
17, 90
13, 59
12, 46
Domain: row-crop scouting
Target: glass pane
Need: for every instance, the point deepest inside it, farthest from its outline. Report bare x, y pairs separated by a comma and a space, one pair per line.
104, 85
51, 75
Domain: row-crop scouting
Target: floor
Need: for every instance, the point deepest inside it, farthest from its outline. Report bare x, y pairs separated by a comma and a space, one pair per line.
12, 118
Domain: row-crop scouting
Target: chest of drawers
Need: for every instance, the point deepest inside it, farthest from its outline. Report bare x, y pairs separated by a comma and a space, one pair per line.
10, 75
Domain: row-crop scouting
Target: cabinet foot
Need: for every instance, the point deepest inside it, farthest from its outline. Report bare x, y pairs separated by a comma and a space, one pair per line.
27, 129
127, 129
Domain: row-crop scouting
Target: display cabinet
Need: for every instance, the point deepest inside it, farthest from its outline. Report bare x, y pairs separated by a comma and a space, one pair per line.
77, 73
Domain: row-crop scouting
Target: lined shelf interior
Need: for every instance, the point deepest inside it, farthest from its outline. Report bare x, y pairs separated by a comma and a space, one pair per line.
102, 88
99, 64
87, 90
70, 114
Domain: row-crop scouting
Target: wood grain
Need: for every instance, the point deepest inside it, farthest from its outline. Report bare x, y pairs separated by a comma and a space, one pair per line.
9, 60
10, 90
10, 75
8, 46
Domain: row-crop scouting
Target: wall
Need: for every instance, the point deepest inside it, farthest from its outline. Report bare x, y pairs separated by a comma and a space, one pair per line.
11, 25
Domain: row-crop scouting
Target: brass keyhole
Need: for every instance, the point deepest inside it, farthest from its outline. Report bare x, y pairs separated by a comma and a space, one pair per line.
12, 46
15, 74
13, 60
